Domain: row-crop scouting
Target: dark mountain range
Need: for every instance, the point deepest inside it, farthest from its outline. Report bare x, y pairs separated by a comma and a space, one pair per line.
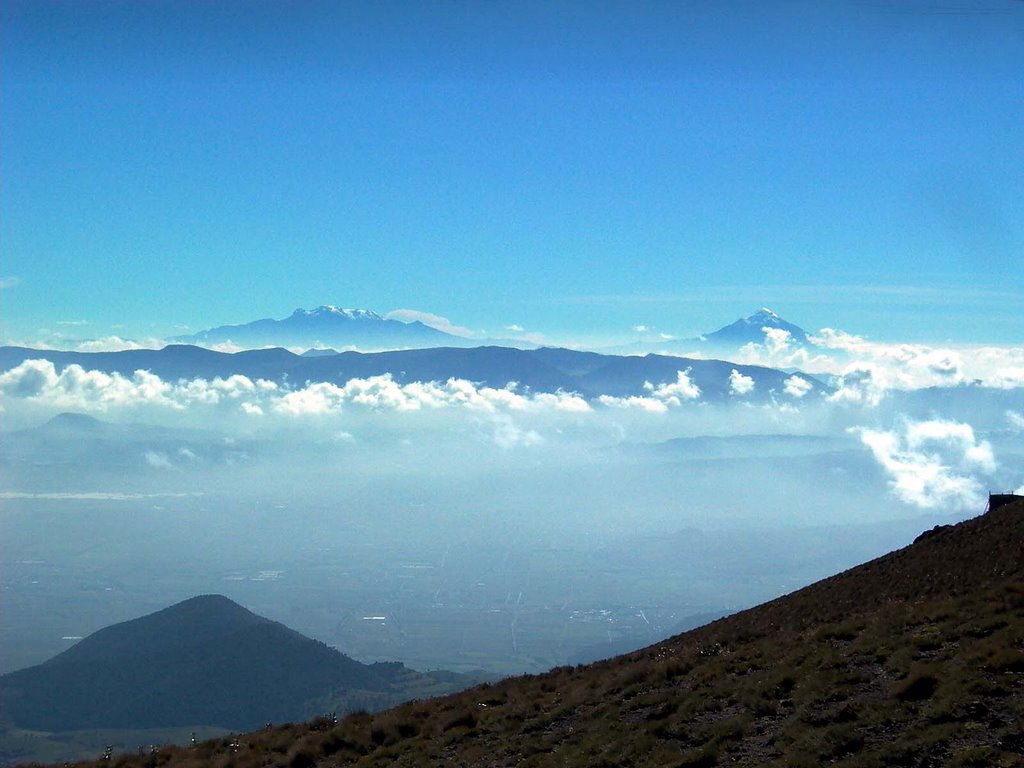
913, 659
540, 370
205, 661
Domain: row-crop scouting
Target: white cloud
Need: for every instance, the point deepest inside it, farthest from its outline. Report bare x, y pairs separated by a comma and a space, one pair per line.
118, 344
507, 434
740, 384
72, 322
649, 404
779, 351
933, 464
251, 408
641, 328
9, 282
915, 366
75, 388
858, 386
514, 328
428, 318
1016, 419
30, 379
776, 340
683, 388
797, 387
157, 459
659, 398
1010, 377
892, 366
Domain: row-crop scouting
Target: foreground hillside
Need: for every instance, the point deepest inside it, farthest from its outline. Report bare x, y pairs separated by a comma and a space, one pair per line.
914, 659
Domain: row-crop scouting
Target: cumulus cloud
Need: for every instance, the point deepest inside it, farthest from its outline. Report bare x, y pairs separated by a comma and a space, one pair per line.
508, 434
659, 398
915, 366
1016, 419
779, 350
892, 366
157, 459
1010, 377
797, 387
75, 388
428, 318
641, 328
858, 386
515, 328
118, 344
933, 464
740, 384
682, 388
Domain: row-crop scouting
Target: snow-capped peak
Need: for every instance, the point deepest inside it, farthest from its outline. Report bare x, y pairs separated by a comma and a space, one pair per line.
331, 309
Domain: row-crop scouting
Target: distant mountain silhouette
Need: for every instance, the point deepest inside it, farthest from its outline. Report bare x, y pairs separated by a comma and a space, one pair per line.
540, 370
725, 341
204, 661
331, 326
750, 330
77, 440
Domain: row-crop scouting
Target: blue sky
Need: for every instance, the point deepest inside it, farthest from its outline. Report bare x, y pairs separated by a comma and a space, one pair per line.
572, 168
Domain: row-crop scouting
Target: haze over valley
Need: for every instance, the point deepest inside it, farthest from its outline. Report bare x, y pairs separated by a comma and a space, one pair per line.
475, 509
353, 354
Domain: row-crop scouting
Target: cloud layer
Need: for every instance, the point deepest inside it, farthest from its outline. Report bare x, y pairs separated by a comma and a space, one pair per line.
933, 464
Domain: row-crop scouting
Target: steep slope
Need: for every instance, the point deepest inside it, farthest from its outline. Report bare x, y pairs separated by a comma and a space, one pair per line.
913, 659
206, 661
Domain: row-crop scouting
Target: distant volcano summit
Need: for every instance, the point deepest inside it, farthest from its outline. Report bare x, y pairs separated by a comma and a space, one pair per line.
328, 326
751, 330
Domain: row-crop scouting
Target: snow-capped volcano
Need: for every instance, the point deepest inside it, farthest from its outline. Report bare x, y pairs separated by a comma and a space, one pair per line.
751, 330
328, 310
328, 326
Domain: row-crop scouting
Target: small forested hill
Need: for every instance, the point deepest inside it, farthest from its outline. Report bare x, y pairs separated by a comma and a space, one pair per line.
205, 661
914, 659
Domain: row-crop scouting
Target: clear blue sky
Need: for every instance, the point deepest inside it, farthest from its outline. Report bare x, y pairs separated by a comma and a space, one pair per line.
574, 168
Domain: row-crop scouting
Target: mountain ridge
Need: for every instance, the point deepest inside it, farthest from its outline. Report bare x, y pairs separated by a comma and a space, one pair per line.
333, 326
146, 672
547, 369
